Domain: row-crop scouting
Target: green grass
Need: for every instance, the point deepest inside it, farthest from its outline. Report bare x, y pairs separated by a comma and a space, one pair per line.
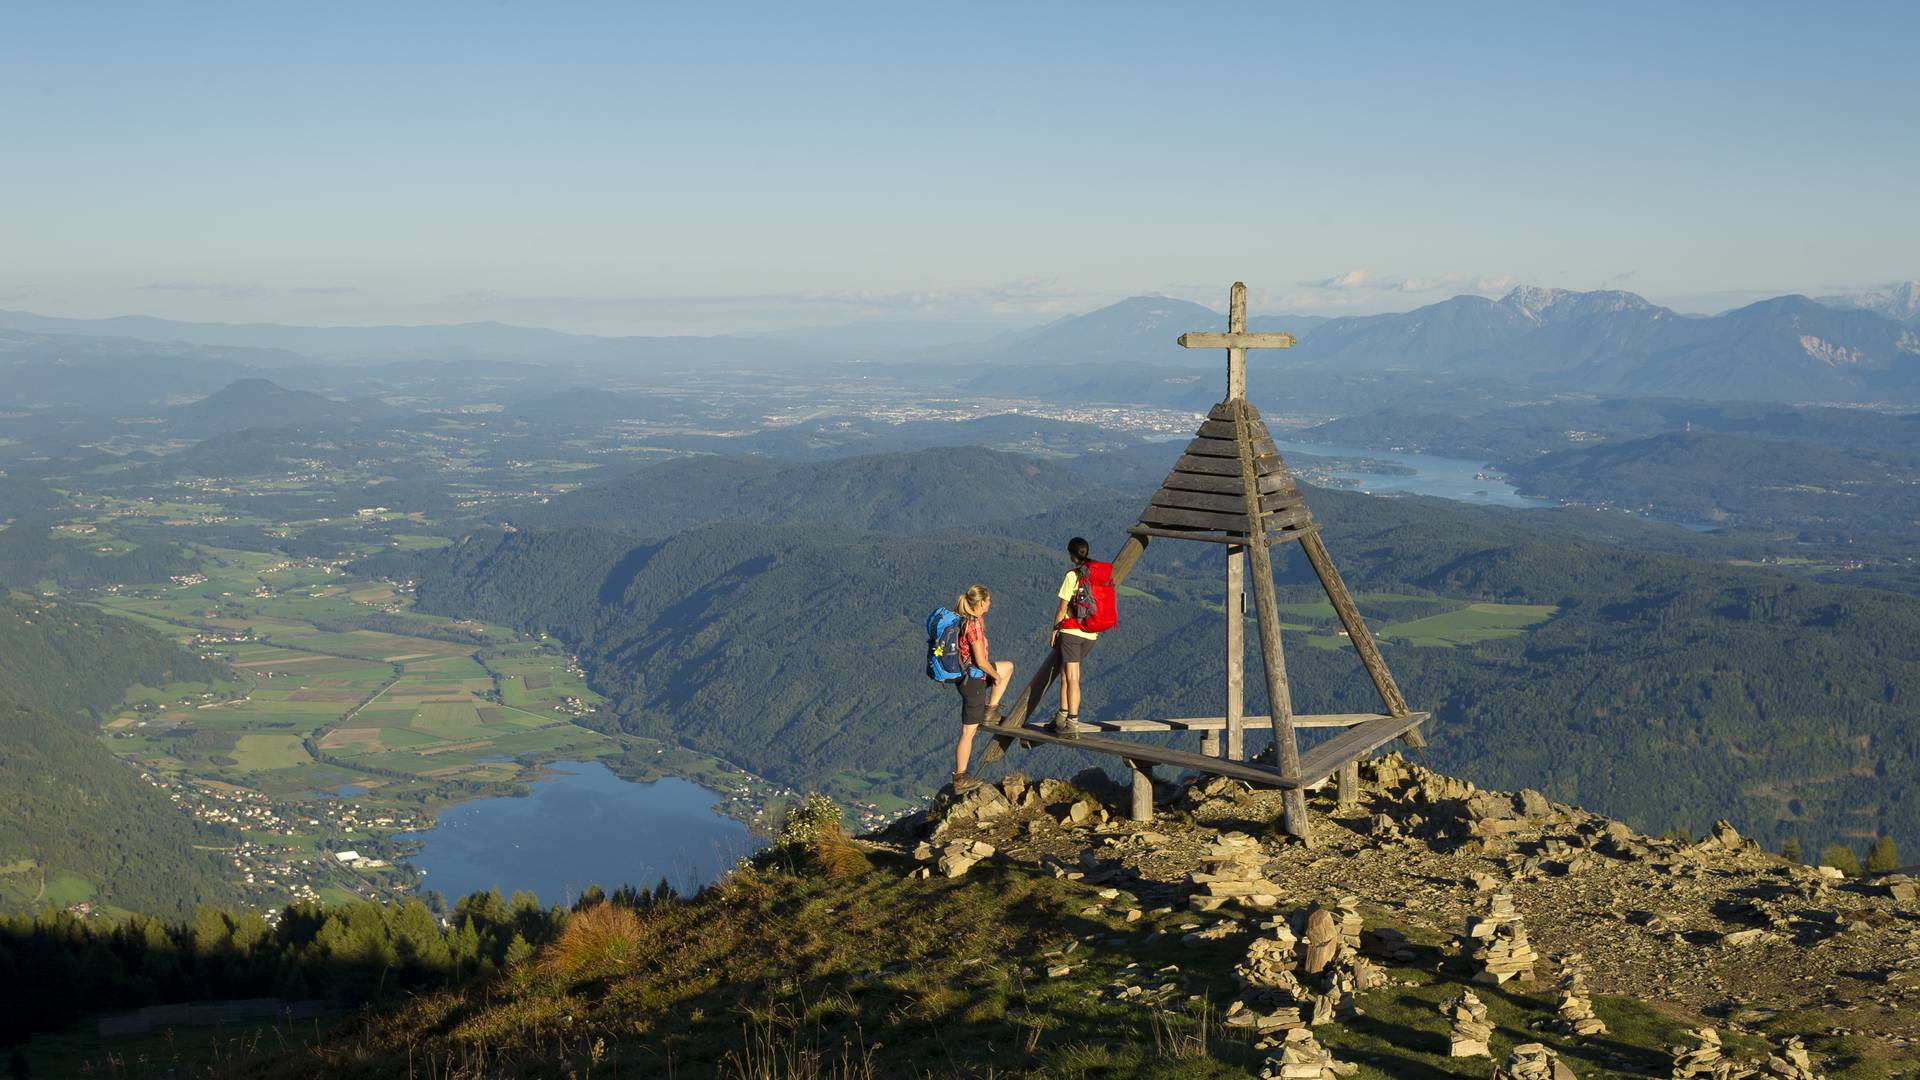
882, 975
1471, 624
65, 888
258, 753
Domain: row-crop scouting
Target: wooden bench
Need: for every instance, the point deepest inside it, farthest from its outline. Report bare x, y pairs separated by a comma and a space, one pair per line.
1364, 732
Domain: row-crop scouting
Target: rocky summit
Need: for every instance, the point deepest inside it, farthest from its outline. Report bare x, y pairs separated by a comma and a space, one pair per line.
1506, 882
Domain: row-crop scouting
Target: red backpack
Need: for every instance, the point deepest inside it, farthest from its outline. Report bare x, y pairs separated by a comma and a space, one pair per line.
1092, 607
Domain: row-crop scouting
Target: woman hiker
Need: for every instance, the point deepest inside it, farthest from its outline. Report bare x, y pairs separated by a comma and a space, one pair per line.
984, 682
1073, 643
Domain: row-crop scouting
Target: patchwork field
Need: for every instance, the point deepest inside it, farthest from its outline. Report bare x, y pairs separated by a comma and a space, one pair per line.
406, 697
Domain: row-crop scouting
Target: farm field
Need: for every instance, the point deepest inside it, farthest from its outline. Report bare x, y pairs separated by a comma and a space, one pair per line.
404, 698
1473, 623
1467, 623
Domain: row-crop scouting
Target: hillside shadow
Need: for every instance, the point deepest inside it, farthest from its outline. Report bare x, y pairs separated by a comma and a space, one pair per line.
613, 588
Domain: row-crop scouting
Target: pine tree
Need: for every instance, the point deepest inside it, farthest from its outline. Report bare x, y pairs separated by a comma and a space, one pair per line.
17, 1064
1841, 858
518, 951
1790, 850
1882, 856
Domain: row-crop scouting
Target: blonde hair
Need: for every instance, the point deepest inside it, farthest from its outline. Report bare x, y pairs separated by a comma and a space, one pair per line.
970, 602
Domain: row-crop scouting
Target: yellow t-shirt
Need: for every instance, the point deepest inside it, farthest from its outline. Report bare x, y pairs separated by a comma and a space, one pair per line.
1068, 586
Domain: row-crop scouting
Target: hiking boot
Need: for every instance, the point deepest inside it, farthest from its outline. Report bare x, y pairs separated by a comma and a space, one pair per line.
1064, 726
964, 782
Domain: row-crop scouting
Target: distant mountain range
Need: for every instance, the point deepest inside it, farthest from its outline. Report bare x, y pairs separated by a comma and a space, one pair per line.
1861, 348
1789, 348
1899, 302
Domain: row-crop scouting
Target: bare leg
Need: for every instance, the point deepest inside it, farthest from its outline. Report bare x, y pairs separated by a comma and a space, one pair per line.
1003, 674
1070, 687
964, 751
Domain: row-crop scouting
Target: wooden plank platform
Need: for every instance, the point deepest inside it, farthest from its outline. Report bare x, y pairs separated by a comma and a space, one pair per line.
1355, 742
1146, 754
1219, 723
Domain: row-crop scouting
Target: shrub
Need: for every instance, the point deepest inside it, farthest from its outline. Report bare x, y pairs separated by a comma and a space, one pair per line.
600, 940
1841, 858
815, 816
1883, 856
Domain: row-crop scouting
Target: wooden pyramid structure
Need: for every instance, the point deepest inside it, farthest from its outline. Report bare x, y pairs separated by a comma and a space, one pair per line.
1231, 487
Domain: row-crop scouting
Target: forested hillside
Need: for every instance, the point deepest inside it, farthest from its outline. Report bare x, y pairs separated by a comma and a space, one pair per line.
1666, 691
75, 823
74, 661
916, 491
30, 553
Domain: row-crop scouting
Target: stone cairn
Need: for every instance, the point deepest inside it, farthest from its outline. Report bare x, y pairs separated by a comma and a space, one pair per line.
1576, 1008
1533, 1061
1236, 871
1703, 1058
1267, 971
1791, 1062
1468, 1015
1301, 1057
1496, 943
1707, 1058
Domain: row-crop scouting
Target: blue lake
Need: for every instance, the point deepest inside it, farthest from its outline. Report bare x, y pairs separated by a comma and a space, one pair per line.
582, 826
1447, 478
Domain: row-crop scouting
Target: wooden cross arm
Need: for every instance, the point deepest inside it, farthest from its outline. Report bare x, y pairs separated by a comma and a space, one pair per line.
1240, 340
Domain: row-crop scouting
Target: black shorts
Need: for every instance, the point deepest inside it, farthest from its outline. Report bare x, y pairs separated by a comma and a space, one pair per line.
973, 700
1074, 650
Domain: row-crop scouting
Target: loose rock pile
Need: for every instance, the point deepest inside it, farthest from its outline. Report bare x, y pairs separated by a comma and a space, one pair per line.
1468, 1015
1703, 1058
1791, 1062
1576, 1008
1533, 1061
955, 859
1236, 870
1497, 943
1301, 1057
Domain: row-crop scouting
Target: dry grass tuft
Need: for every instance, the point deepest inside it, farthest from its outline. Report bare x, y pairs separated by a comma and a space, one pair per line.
601, 940
836, 856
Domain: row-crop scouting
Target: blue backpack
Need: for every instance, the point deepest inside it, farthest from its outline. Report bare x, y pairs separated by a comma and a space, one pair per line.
943, 647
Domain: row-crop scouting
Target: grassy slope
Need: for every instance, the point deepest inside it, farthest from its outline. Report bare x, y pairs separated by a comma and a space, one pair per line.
778, 973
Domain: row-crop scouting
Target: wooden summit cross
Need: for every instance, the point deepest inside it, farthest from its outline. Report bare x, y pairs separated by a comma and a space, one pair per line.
1230, 487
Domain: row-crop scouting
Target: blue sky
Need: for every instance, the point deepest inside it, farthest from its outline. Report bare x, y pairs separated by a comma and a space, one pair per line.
624, 168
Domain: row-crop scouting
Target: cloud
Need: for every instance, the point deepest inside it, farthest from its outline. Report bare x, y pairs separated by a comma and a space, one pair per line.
324, 290
221, 290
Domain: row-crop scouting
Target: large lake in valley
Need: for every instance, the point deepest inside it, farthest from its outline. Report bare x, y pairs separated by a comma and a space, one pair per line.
581, 826
1381, 472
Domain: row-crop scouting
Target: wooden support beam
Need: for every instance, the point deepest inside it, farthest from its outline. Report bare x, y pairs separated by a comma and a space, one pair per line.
1141, 790
1236, 653
1209, 741
1267, 611
1357, 632
1320, 762
1349, 790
